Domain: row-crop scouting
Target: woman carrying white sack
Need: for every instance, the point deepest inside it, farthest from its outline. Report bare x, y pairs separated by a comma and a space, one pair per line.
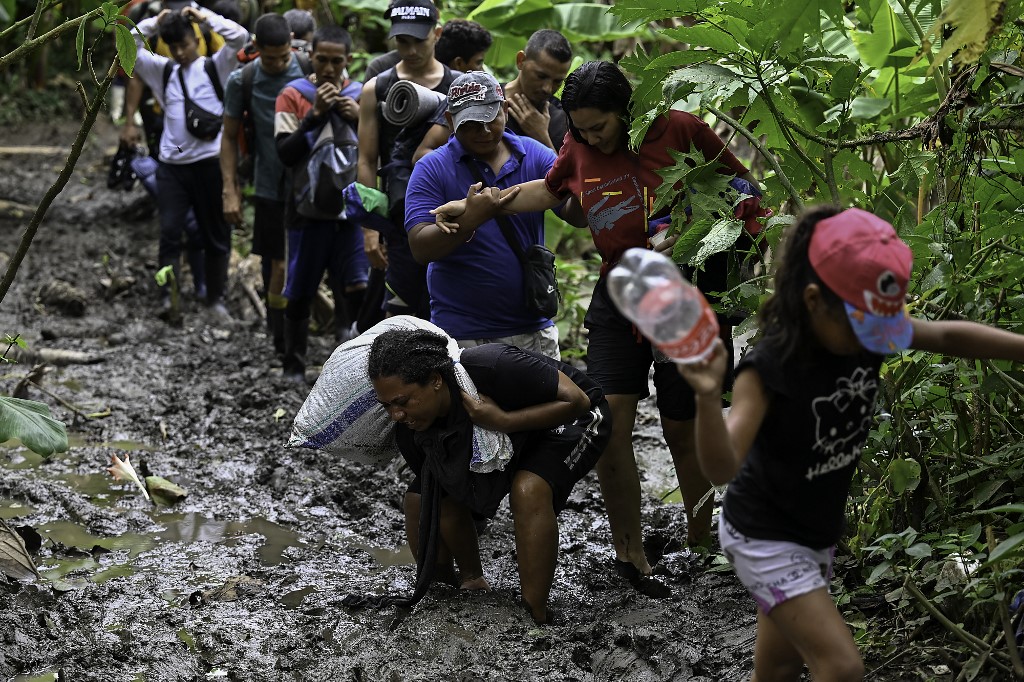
556, 418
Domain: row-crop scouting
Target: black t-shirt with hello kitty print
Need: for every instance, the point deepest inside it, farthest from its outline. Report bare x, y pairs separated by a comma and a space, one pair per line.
795, 480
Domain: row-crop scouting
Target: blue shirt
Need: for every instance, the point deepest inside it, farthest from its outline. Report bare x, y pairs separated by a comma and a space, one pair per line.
268, 173
476, 291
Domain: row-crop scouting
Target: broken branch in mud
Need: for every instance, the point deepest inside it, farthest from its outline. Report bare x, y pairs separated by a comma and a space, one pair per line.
254, 298
53, 356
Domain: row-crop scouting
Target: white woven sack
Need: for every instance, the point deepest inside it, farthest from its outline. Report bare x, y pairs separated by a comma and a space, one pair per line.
341, 414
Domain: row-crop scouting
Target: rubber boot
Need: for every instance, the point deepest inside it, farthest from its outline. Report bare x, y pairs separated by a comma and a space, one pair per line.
296, 343
216, 265
197, 264
343, 328
275, 329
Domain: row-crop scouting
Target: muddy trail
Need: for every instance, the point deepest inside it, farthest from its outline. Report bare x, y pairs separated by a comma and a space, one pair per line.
242, 579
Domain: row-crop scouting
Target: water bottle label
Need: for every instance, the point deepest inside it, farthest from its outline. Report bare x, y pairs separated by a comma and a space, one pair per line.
695, 345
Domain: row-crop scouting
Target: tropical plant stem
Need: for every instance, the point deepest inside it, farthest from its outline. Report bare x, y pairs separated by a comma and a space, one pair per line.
786, 132
1004, 614
58, 186
765, 154
976, 644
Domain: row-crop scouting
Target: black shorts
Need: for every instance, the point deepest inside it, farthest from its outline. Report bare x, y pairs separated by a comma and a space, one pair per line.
561, 456
268, 228
619, 359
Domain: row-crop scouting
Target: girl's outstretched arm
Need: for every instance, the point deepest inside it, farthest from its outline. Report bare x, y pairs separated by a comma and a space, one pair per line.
967, 340
522, 198
723, 443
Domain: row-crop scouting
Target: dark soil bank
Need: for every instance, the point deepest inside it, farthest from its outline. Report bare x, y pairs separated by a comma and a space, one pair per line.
242, 580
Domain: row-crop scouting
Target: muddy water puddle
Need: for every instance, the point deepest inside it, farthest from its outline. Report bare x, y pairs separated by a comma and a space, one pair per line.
83, 556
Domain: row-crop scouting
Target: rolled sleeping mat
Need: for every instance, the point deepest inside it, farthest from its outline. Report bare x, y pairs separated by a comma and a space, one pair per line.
409, 104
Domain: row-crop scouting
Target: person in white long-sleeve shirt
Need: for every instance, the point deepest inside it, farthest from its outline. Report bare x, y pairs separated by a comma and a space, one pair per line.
189, 173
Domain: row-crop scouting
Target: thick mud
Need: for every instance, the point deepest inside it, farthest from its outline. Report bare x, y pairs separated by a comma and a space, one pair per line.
242, 579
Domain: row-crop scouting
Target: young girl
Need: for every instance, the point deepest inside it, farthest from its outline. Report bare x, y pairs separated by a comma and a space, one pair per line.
802, 405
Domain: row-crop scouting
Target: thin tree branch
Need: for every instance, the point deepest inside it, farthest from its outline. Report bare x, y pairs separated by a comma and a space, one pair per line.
786, 132
21, 22
765, 154
830, 175
34, 25
30, 46
977, 645
62, 179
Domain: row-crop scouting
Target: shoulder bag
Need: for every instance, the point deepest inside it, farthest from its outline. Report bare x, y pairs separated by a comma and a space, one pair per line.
540, 286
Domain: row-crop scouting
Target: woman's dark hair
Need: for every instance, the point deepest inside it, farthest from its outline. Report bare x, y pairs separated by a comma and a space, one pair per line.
412, 355
598, 85
461, 38
175, 27
783, 317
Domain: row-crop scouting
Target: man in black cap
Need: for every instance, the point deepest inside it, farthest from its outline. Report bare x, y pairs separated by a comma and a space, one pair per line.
415, 30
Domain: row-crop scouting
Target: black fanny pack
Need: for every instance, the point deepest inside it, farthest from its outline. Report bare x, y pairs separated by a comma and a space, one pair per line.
540, 287
199, 122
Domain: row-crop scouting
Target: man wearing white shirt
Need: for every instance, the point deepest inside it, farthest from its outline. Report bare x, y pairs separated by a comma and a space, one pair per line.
189, 173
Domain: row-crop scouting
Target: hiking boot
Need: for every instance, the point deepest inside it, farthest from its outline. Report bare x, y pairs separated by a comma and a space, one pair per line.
164, 308
219, 311
296, 342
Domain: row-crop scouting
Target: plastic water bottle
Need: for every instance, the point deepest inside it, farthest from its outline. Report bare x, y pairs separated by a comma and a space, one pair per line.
650, 291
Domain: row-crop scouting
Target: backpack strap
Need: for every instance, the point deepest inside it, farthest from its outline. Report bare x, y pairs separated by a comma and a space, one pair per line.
248, 78
204, 30
305, 63
352, 89
168, 70
211, 71
384, 81
305, 88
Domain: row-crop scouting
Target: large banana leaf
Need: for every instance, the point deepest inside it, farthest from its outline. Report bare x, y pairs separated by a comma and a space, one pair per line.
31, 422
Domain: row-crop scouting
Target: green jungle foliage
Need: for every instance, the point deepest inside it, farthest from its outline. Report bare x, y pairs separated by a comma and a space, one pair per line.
913, 109
878, 105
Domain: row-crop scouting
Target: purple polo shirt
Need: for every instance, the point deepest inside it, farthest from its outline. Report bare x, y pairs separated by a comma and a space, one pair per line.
476, 292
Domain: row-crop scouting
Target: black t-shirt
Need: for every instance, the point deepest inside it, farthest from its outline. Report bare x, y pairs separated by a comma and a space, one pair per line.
557, 126
514, 379
381, 63
795, 480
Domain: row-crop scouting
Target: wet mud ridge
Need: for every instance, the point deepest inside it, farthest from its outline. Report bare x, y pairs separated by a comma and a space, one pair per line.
242, 579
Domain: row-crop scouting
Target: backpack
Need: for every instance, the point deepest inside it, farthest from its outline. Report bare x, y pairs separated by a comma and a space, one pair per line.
331, 166
247, 129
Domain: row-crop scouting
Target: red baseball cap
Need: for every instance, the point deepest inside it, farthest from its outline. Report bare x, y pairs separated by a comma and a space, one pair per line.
861, 258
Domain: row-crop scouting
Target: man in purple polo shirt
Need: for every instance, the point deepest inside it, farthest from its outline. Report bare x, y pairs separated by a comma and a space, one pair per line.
474, 278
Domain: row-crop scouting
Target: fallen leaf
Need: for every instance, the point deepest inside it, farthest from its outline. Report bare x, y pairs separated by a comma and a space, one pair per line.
124, 471
14, 558
163, 491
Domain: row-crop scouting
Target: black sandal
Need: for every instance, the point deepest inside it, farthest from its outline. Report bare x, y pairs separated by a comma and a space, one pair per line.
644, 584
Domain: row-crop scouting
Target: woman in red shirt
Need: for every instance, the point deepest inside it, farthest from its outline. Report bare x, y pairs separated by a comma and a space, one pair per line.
616, 188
